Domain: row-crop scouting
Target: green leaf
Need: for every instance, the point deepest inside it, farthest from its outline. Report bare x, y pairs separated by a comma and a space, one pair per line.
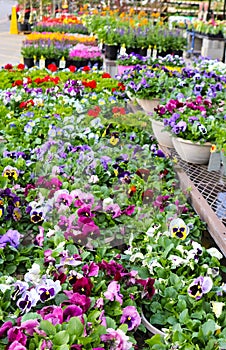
30, 316
124, 327
63, 347
47, 327
184, 316
156, 339
208, 328
110, 323
61, 338
75, 327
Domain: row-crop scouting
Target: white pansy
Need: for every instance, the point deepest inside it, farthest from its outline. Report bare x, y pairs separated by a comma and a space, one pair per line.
93, 179
214, 252
106, 202
33, 274
136, 256
217, 307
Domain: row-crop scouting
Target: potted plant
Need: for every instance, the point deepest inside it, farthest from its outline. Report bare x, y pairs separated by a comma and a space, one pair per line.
28, 51
193, 125
126, 61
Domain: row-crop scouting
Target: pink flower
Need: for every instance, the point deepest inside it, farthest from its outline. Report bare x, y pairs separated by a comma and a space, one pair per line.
113, 292
17, 346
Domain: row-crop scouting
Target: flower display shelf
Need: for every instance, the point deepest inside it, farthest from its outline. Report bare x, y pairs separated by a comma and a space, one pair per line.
206, 191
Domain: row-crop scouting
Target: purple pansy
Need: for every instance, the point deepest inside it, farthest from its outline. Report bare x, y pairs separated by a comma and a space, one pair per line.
131, 317
200, 286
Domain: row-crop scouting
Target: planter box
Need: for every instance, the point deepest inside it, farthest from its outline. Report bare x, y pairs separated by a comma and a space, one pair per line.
212, 48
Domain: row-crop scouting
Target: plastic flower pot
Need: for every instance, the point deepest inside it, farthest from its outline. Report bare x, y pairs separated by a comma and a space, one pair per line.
163, 137
191, 152
122, 69
111, 52
29, 62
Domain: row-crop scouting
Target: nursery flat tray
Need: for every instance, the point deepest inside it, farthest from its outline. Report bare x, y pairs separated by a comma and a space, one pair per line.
206, 190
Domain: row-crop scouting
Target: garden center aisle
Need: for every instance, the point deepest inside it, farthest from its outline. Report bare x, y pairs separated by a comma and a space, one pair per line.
10, 43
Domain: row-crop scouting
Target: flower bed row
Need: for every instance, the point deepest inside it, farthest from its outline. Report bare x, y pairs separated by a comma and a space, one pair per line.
94, 228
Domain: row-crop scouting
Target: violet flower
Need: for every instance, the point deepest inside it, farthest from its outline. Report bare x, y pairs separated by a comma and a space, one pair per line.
200, 286
48, 289
131, 317
12, 237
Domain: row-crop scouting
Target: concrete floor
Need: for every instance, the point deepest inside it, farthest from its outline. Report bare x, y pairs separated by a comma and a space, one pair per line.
10, 44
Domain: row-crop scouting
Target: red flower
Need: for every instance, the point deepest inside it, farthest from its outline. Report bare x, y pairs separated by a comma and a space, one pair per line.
86, 69
21, 66
91, 84
106, 75
26, 104
72, 69
120, 110
148, 285
113, 89
52, 67
94, 112
17, 83
121, 87
8, 66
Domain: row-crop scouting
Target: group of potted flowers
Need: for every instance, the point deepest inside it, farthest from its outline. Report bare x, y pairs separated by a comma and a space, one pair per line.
98, 243
190, 101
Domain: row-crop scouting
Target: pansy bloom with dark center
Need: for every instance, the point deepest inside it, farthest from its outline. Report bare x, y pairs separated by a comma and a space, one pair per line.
200, 286
48, 290
36, 217
178, 229
10, 172
131, 317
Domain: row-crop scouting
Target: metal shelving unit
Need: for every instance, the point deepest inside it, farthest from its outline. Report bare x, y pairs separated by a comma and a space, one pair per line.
207, 192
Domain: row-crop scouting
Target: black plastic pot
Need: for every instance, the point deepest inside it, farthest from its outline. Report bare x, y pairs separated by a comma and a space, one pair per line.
142, 51
98, 63
164, 53
52, 61
129, 50
111, 52
76, 63
29, 62
22, 27
178, 53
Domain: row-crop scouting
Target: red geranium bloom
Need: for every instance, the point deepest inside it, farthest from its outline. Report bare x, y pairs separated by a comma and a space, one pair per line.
52, 67
72, 69
86, 69
8, 66
106, 75
21, 66
113, 89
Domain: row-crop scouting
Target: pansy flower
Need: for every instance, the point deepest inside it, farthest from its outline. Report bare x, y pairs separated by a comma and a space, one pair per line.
200, 286
131, 317
48, 289
179, 229
10, 172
